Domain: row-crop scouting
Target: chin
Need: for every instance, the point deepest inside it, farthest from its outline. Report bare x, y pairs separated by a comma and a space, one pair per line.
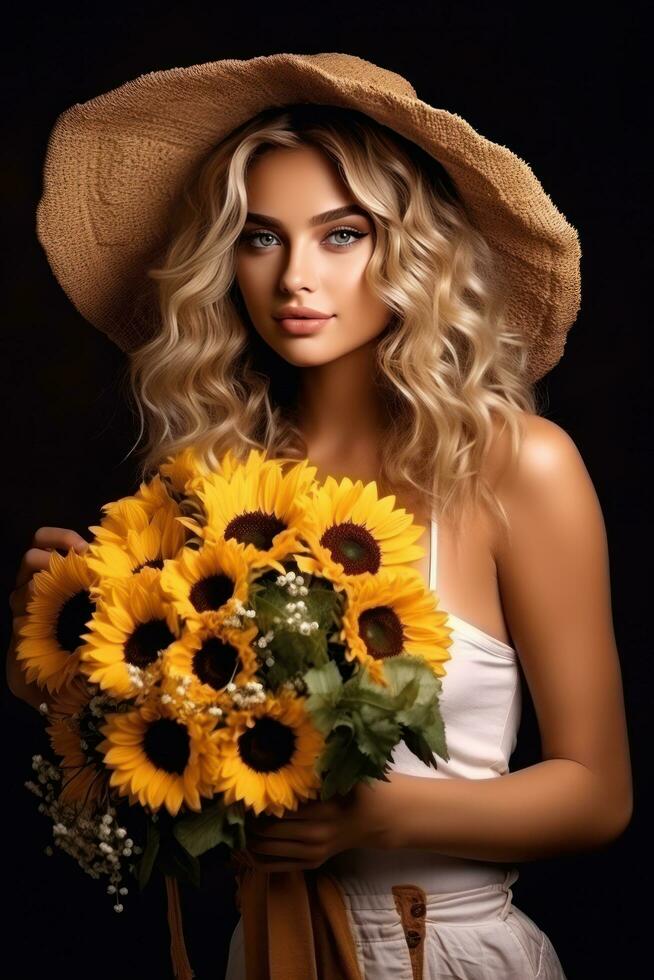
307, 357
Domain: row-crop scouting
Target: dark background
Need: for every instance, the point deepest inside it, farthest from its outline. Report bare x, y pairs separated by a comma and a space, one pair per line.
556, 85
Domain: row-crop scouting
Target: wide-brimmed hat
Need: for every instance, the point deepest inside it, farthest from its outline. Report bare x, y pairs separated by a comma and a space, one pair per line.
115, 164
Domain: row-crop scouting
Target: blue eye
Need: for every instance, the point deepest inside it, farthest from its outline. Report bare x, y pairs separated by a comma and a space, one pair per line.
348, 231
250, 237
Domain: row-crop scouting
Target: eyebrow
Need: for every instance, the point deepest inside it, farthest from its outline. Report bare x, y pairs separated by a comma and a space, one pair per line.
318, 219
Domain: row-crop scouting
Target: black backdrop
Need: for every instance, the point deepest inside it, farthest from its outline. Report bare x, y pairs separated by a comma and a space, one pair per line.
556, 85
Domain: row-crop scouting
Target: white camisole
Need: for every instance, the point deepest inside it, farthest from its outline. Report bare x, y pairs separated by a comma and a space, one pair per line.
481, 708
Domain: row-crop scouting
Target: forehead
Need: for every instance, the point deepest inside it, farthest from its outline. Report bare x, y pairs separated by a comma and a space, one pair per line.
295, 176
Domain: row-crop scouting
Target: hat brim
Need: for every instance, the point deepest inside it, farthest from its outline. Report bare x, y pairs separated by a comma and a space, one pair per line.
115, 164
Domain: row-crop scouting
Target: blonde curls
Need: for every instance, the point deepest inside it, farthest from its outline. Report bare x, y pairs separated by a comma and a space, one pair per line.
449, 368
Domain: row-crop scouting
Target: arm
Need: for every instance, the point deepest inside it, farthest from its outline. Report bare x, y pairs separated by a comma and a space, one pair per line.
554, 580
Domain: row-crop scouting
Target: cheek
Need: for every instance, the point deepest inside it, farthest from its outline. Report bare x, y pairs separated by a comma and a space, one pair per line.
367, 315
253, 282
359, 307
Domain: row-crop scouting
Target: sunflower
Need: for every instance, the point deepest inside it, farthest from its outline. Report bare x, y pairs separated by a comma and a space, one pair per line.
268, 755
208, 583
183, 469
84, 773
351, 532
135, 512
255, 503
133, 622
51, 631
143, 541
212, 658
158, 758
392, 613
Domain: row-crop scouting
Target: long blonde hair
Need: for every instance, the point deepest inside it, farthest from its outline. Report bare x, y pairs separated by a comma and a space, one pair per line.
448, 364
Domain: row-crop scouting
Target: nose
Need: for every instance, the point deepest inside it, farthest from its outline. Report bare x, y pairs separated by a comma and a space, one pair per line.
300, 270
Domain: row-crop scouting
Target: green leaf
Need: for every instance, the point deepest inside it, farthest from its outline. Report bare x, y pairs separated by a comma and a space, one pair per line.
146, 863
299, 651
325, 686
343, 765
417, 743
235, 817
173, 859
434, 734
423, 715
376, 736
325, 680
199, 832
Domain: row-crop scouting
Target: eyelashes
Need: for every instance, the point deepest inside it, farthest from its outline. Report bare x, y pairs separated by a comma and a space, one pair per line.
249, 236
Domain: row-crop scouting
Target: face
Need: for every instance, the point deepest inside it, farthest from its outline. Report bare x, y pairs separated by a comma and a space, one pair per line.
291, 254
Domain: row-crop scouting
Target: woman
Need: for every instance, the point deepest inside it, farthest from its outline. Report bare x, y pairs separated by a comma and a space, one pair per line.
436, 292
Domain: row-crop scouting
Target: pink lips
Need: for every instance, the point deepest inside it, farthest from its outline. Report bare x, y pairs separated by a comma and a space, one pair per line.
302, 326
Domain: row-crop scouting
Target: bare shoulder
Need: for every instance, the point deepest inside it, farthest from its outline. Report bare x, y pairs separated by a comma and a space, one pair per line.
548, 467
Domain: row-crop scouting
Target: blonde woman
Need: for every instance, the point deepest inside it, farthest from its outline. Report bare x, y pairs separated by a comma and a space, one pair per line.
352, 276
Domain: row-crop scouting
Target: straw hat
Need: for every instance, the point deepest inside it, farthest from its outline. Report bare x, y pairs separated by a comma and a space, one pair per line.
115, 164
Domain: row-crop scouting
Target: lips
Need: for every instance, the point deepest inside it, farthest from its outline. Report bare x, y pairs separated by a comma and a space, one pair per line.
300, 312
303, 326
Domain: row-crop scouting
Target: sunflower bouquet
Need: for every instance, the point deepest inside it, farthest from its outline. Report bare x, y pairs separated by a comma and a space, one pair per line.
240, 638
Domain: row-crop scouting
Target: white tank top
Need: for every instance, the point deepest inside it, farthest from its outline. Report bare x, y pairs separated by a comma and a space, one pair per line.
481, 707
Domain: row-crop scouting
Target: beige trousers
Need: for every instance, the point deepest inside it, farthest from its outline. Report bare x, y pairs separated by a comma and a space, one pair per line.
470, 934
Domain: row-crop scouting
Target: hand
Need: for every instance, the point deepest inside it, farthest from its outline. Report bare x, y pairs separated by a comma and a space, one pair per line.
35, 559
305, 838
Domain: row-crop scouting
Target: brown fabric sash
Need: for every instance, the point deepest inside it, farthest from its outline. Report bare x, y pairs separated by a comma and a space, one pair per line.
295, 925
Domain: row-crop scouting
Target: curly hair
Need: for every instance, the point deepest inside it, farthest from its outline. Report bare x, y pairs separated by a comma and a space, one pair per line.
448, 364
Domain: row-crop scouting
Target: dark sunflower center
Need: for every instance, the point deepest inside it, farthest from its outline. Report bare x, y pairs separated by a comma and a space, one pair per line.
255, 528
381, 631
152, 563
214, 662
72, 619
267, 746
143, 646
212, 592
167, 745
354, 547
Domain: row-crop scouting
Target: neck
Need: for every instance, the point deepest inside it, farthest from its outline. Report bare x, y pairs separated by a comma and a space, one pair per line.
339, 408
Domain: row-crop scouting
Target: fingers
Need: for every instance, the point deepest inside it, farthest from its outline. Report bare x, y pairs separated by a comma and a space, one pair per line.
302, 832
59, 537
46, 540
270, 855
37, 558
